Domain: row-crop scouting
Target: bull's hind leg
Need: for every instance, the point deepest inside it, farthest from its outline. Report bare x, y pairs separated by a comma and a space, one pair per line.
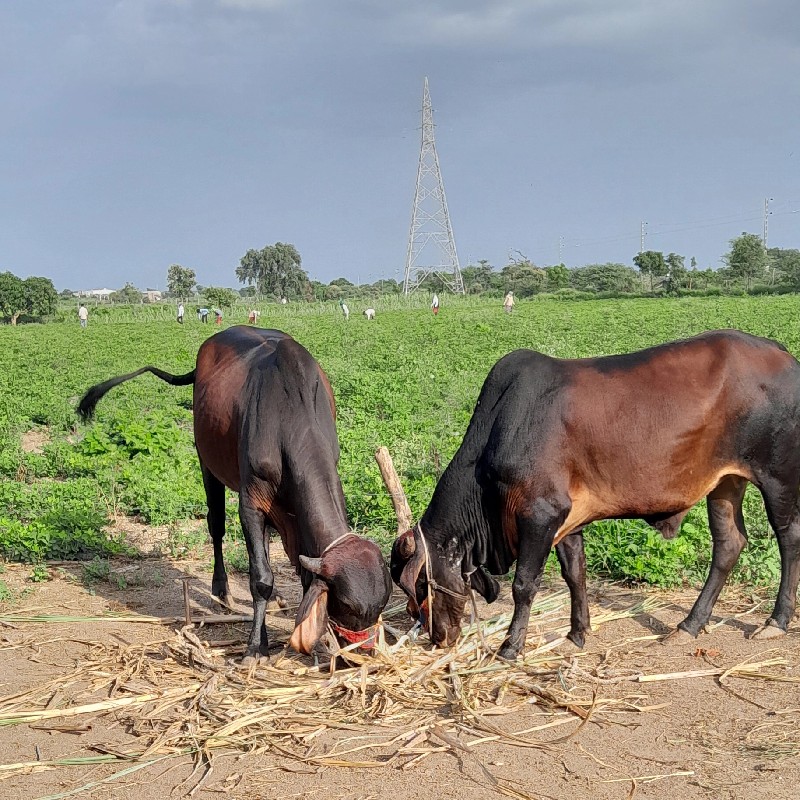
572, 558
215, 498
254, 527
784, 516
729, 538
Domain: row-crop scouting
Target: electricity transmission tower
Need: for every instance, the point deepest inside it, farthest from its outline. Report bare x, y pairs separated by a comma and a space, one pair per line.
431, 245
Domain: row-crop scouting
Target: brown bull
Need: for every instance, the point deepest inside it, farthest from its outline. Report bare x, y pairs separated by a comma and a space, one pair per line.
264, 426
555, 444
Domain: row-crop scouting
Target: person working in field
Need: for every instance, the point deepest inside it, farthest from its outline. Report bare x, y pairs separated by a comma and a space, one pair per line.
345, 309
83, 315
508, 303
218, 316
202, 314
435, 304
180, 313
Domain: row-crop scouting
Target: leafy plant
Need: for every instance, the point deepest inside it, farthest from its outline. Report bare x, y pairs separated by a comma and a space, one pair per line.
39, 573
99, 571
408, 382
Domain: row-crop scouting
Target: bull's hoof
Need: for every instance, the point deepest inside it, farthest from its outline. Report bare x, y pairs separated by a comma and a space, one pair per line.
250, 660
678, 636
221, 591
576, 639
508, 653
770, 630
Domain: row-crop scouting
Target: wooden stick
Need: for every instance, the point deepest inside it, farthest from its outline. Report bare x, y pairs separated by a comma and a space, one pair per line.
187, 609
395, 489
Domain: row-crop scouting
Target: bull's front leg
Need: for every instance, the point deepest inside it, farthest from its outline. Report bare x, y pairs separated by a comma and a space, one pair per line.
535, 540
254, 528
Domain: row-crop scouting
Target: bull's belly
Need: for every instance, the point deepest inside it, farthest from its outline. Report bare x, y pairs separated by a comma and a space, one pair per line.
219, 454
642, 498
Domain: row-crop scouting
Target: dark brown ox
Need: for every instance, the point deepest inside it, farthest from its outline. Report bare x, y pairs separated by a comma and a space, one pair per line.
264, 426
555, 444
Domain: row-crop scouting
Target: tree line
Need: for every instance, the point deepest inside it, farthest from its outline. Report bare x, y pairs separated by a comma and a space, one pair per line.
275, 272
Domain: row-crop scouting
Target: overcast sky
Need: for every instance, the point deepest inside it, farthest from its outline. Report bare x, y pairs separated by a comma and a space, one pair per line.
139, 133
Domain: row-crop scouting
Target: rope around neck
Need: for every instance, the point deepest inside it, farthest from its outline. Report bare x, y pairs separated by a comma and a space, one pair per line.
365, 639
428, 583
432, 585
337, 540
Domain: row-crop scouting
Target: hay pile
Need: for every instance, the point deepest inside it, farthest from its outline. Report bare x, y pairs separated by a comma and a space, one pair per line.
179, 695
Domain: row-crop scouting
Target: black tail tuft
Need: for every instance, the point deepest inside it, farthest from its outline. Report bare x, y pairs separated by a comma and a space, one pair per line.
89, 401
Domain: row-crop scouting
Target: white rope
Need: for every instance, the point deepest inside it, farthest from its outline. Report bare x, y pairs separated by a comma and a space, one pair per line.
337, 540
428, 580
432, 585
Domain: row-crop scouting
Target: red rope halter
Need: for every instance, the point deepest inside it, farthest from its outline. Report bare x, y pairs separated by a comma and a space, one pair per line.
366, 639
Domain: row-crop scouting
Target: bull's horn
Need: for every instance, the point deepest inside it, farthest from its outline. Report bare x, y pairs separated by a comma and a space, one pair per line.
407, 545
311, 564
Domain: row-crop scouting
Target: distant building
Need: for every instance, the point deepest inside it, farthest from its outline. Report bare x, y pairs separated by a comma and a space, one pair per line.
151, 296
100, 294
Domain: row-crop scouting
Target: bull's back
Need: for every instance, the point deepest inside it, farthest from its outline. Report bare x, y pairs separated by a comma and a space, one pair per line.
653, 432
225, 365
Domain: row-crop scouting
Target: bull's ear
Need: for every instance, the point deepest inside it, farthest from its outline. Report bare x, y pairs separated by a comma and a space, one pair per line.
311, 619
484, 584
402, 549
408, 579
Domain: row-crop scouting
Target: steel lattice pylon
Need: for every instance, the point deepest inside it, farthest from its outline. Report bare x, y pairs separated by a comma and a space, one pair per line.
431, 245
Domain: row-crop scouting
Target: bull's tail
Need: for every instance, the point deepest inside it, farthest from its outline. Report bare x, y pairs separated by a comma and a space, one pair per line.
89, 400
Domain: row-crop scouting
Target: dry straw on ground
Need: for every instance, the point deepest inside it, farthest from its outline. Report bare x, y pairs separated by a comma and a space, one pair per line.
178, 695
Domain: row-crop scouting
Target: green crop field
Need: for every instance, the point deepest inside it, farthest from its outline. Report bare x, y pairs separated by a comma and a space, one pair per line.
406, 380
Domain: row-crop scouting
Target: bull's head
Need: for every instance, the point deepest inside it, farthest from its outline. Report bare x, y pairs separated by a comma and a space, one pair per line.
437, 600
350, 587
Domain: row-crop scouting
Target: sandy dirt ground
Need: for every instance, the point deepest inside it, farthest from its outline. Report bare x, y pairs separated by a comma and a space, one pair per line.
712, 736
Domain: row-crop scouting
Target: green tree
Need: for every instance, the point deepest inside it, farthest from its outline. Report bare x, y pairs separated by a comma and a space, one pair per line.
180, 281
784, 265
652, 263
522, 276
604, 278
676, 272
36, 297
275, 270
747, 259
318, 290
557, 277
128, 294
12, 296
478, 278
41, 298
219, 297
381, 287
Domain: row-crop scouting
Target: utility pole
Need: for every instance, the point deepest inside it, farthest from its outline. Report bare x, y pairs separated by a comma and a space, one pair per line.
767, 212
560, 249
430, 221
642, 234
